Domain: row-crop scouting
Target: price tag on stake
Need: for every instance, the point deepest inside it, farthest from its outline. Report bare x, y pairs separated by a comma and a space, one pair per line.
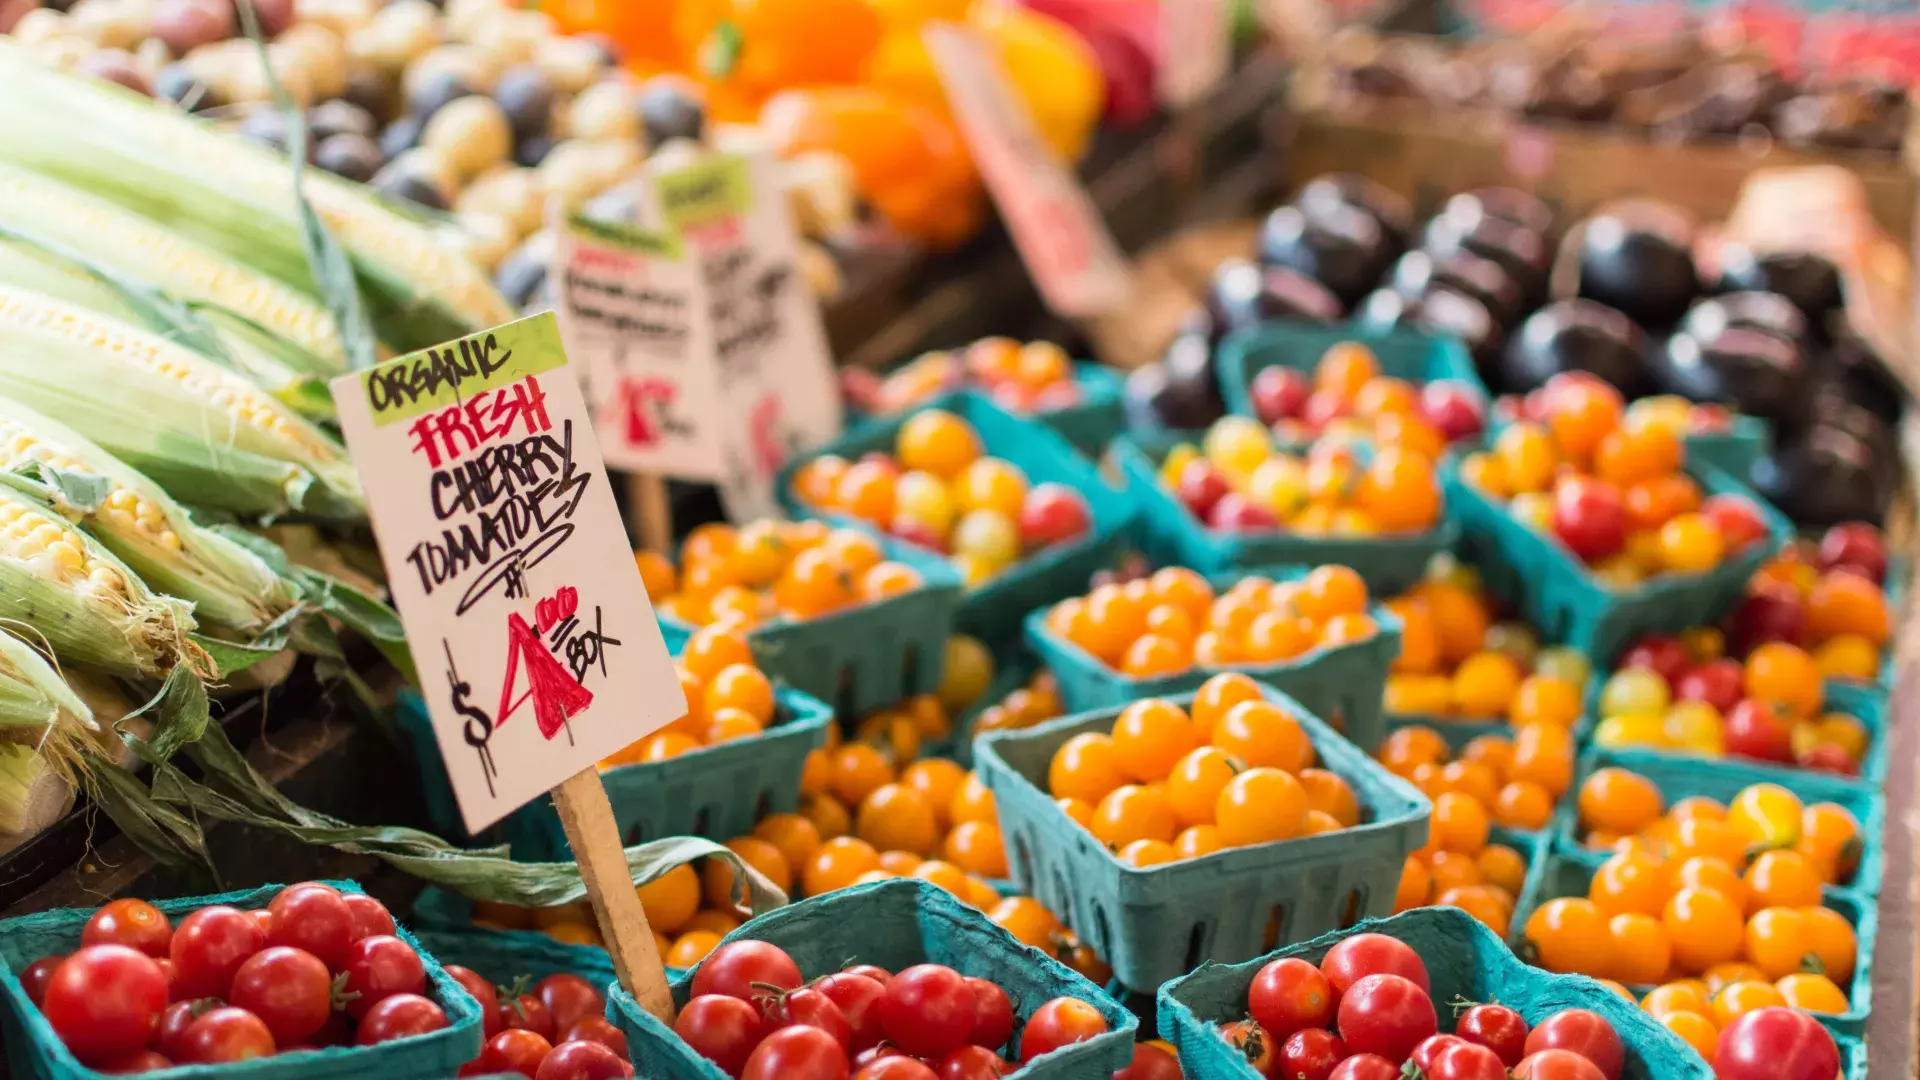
538, 649
1059, 232
1196, 49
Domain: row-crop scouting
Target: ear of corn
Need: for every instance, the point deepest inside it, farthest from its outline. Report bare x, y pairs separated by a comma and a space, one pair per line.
237, 199
60, 586
47, 717
205, 434
125, 243
136, 520
276, 365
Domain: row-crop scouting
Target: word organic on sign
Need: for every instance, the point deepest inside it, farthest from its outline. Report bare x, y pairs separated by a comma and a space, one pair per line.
746, 381
538, 649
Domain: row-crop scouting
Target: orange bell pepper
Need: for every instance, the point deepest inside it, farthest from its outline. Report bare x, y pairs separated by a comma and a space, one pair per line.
641, 28
769, 45
908, 161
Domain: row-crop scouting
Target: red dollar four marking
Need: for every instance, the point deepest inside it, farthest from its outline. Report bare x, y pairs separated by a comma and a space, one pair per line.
557, 695
641, 398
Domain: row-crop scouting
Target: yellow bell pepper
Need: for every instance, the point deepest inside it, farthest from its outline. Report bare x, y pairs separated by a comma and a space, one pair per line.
1052, 69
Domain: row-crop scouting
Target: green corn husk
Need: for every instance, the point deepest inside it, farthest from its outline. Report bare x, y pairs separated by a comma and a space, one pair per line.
213, 188
135, 519
276, 365
60, 586
125, 243
208, 436
47, 720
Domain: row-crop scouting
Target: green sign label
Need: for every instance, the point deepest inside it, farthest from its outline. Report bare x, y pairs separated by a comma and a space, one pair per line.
706, 191
408, 386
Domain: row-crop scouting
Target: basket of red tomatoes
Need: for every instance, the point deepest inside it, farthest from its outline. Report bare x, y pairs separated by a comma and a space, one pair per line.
313, 981
1431, 990
894, 980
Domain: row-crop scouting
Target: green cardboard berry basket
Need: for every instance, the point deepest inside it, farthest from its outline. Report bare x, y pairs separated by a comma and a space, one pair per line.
1735, 451
714, 791
1464, 960
1679, 777
1569, 874
1155, 924
897, 924
1341, 683
1403, 354
865, 657
34, 1051
1557, 594
992, 610
1172, 535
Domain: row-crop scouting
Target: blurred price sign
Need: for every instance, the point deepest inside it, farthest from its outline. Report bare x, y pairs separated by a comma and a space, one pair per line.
1059, 232
707, 356
1196, 49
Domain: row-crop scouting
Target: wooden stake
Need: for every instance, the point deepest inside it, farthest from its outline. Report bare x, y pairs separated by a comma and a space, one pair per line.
587, 817
653, 514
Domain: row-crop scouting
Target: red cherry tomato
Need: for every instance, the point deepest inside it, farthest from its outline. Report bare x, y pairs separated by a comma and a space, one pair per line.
515, 1050
1738, 519
378, 967
895, 1067
140, 1061
973, 1063
1366, 1067
34, 979
877, 974
1589, 517
170, 1034
1430, 1048
1776, 1044
1758, 730
1052, 514
807, 1007
1290, 995
104, 1000
856, 996
225, 1035
724, 1030
734, 968
1467, 1061
208, 947
483, 992
582, 1061
569, 999
1583, 1032
1497, 1028
1559, 1065
1372, 954
313, 917
1253, 1042
1060, 1022
928, 1011
1149, 1061
993, 1018
526, 1013
1311, 1054
370, 917
288, 989
1387, 1015
400, 1016
1663, 653
797, 1053
134, 923
597, 1029
1716, 682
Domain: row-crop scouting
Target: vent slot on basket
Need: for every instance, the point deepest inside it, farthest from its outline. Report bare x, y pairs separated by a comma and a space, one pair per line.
1356, 906
1197, 946
1276, 926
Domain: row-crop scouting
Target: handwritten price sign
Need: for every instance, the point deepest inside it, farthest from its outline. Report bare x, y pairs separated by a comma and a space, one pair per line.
537, 646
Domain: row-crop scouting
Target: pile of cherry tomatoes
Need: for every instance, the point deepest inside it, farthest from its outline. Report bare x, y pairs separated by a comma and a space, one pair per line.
1457, 661
1173, 621
753, 1014
1168, 783
1767, 708
558, 1030
1828, 598
1606, 481
728, 698
1034, 377
941, 491
1365, 1012
772, 569
314, 968
1348, 397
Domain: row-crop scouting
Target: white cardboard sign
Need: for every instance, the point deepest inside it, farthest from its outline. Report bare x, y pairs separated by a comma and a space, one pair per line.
1060, 234
538, 651
1196, 49
739, 378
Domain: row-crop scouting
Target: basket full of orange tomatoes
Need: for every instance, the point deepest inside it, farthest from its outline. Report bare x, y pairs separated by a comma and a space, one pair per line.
1209, 826
1315, 634
856, 620
1594, 522
1023, 517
